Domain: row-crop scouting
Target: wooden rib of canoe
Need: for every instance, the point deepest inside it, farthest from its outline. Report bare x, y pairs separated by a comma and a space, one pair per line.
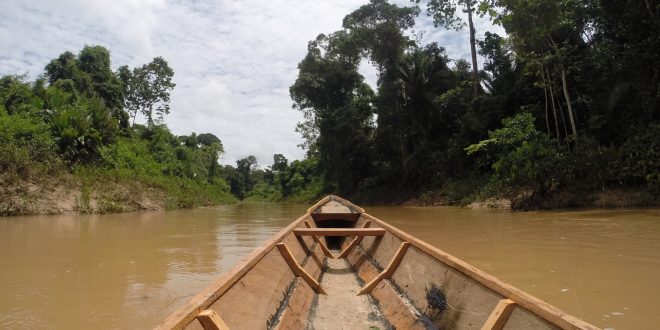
321, 270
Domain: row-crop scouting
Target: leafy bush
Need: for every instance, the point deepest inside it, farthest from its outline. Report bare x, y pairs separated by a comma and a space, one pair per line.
641, 157
524, 156
25, 145
81, 128
131, 156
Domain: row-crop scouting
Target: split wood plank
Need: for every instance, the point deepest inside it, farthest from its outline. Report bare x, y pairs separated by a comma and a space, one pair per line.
339, 231
297, 269
499, 315
387, 272
324, 248
355, 242
210, 320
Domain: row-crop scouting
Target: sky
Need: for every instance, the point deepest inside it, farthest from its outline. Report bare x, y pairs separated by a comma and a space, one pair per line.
233, 61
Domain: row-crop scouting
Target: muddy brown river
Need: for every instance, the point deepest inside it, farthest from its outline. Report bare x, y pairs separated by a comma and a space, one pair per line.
127, 271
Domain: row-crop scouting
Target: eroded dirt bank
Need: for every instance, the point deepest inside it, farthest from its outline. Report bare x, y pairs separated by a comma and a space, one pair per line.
68, 195
524, 200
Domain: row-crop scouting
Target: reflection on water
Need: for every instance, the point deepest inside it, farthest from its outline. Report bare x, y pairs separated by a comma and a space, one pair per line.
132, 270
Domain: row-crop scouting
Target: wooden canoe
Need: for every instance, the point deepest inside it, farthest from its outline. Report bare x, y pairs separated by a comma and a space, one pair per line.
337, 267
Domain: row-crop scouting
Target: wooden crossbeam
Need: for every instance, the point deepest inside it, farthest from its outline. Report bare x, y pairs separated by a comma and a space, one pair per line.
499, 315
339, 231
297, 269
355, 242
324, 248
210, 320
387, 272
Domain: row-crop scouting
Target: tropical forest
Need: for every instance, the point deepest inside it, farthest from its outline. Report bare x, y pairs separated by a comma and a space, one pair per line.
563, 111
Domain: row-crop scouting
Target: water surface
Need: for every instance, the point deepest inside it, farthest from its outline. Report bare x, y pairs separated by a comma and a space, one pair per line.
131, 270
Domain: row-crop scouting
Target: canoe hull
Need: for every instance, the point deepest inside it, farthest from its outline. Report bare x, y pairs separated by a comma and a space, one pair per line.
413, 284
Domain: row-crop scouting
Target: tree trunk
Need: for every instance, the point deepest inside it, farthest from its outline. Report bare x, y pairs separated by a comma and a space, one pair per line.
473, 49
402, 150
567, 96
563, 121
545, 95
554, 109
648, 7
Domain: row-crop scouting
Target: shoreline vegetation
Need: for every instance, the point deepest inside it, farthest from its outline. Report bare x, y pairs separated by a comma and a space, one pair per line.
565, 113
69, 142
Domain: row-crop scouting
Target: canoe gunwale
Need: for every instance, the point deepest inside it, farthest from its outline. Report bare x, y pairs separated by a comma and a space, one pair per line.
204, 299
521, 298
329, 198
209, 295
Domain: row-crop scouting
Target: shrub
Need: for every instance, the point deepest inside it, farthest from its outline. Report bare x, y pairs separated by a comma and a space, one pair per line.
524, 156
25, 145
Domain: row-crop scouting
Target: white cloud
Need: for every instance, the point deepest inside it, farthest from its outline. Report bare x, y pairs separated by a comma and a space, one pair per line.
233, 60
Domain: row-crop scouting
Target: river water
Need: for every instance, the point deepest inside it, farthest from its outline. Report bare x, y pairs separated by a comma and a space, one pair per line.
131, 270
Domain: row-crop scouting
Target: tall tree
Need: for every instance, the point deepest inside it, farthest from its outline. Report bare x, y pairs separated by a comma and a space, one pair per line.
379, 30
332, 94
147, 90
90, 75
280, 163
95, 61
444, 14
552, 39
208, 139
245, 167
423, 75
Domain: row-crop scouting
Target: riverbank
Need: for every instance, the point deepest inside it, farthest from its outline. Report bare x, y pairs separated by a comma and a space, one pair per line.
528, 200
104, 191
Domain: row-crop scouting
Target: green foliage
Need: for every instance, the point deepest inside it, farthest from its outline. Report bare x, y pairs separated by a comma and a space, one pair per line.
90, 74
338, 106
81, 128
79, 117
578, 87
523, 153
158, 152
641, 157
147, 89
299, 181
17, 96
576, 84
131, 156
175, 192
84, 201
516, 131
26, 145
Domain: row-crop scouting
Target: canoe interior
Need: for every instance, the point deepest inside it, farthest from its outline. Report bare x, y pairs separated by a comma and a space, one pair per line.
411, 285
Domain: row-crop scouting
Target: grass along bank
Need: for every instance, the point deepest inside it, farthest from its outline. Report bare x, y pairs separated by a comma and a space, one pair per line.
98, 190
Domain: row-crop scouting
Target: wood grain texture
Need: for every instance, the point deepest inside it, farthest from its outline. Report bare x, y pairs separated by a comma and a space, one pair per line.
355, 242
324, 248
210, 320
297, 269
388, 271
339, 232
525, 300
499, 315
188, 312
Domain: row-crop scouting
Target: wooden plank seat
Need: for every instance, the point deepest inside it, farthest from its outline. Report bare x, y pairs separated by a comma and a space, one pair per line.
339, 231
